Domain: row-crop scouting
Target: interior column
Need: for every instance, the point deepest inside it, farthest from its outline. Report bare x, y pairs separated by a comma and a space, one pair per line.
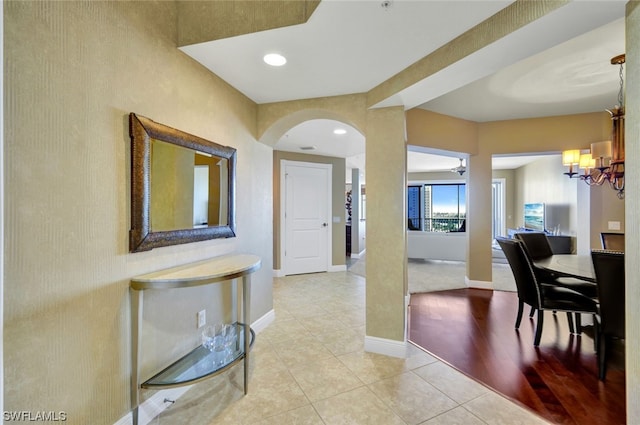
386, 264
479, 217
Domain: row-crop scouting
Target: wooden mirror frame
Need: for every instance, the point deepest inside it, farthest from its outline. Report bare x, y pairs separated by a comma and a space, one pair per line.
141, 236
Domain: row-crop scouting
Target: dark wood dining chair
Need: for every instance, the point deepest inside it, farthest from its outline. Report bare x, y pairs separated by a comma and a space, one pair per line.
538, 296
609, 269
537, 246
612, 241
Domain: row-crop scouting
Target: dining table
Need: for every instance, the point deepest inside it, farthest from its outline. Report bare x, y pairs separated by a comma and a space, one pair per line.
569, 265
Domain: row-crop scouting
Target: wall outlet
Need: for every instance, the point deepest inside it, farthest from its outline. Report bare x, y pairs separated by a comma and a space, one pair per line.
202, 318
614, 225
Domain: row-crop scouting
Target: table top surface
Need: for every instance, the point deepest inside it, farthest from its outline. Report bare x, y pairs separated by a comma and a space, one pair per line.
578, 266
216, 269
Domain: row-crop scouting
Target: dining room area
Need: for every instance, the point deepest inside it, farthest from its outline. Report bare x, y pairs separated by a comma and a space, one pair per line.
554, 345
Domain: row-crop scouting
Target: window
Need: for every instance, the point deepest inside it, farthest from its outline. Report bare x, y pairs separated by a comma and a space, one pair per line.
498, 226
436, 207
414, 212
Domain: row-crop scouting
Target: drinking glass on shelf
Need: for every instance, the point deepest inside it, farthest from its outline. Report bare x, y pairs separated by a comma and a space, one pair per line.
218, 339
230, 338
213, 338
230, 335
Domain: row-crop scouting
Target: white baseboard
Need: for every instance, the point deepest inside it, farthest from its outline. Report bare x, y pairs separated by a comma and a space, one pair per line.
156, 404
478, 284
262, 323
388, 347
338, 268
407, 301
358, 255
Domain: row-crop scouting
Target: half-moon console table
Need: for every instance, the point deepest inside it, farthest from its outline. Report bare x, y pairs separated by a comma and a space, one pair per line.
199, 364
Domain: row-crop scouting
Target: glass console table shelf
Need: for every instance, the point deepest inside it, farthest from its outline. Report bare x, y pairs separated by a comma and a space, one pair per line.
200, 364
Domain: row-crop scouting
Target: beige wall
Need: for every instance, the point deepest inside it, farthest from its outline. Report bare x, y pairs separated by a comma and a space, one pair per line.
546, 134
200, 21
605, 206
533, 135
632, 213
543, 181
433, 130
338, 170
509, 194
73, 72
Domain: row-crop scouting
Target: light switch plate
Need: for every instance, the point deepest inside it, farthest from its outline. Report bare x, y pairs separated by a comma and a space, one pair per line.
614, 225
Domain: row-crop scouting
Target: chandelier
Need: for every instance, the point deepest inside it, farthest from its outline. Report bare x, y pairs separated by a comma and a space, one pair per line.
605, 160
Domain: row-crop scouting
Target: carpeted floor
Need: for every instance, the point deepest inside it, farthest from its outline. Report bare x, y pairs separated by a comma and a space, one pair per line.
437, 275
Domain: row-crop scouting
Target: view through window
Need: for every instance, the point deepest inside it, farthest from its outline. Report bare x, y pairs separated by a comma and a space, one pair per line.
437, 207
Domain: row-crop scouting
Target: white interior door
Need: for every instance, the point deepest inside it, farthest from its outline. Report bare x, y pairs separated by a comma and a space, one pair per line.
307, 208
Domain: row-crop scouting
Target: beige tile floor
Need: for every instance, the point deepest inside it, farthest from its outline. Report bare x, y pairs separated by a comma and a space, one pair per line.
309, 367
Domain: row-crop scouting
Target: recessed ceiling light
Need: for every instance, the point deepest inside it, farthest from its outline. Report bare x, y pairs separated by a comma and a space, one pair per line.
339, 131
274, 59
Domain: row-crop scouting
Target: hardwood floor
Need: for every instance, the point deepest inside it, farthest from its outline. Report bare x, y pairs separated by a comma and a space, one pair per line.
473, 330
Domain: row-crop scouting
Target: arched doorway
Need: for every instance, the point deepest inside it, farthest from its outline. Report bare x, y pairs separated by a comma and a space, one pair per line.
385, 133
299, 232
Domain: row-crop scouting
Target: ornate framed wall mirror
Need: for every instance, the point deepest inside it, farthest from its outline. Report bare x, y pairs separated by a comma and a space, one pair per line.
182, 187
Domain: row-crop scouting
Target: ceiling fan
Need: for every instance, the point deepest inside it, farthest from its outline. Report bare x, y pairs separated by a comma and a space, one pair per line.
460, 169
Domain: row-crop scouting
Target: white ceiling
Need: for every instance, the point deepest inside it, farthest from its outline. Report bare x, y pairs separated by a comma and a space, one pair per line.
570, 78
556, 65
345, 47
